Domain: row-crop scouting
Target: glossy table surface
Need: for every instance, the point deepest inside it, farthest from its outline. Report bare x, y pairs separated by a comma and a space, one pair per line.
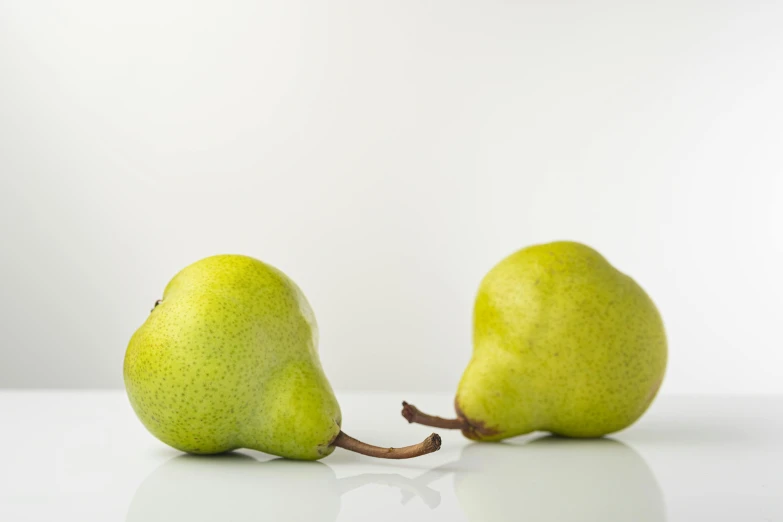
84, 456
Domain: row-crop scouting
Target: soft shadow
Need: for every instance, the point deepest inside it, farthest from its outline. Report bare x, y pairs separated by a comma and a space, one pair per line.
556, 479
238, 487
690, 433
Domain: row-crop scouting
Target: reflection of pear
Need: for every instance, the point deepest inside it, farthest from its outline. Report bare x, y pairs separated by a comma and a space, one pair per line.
559, 480
237, 487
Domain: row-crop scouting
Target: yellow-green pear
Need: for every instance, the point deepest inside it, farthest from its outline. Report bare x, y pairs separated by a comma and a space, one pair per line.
563, 342
228, 359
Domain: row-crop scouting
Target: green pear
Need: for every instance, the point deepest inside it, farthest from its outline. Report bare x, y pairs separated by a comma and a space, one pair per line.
228, 359
563, 343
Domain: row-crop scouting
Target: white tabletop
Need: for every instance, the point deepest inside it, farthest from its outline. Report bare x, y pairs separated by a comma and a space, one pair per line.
84, 456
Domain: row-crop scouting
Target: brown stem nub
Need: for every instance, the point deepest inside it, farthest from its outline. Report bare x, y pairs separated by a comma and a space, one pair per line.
428, 445
412, 414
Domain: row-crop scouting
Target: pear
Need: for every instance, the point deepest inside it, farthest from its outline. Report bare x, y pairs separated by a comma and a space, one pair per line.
563, 343
228, 359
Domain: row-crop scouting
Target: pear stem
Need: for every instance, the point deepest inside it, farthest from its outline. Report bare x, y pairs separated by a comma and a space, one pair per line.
428, 445
413, 414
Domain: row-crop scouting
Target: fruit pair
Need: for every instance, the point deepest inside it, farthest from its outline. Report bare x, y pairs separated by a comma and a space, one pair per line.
228, 358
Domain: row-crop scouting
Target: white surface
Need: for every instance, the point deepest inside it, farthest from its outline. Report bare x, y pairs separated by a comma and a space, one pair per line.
385, 155
83, 456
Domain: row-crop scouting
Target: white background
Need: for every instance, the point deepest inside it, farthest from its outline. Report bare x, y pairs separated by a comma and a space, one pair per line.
385, 155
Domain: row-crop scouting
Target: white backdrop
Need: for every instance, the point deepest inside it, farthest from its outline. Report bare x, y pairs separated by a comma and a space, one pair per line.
385, 155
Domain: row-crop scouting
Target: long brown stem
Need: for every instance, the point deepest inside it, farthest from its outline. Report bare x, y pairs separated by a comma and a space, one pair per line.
428, 445
412, 414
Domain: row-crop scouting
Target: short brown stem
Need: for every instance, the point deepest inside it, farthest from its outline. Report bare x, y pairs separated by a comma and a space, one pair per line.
430, 444
412, 414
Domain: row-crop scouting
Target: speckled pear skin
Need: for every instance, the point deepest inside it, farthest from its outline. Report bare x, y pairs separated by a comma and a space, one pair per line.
228, 359
563, 343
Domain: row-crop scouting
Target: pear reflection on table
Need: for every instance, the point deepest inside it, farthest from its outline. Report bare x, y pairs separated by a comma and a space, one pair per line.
555, 479
238, 487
